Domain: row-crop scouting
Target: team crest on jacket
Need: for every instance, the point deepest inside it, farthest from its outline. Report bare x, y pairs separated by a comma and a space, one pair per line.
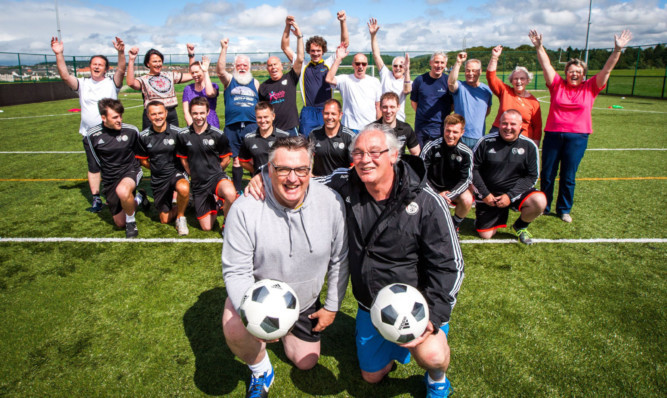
412, 208
519, 151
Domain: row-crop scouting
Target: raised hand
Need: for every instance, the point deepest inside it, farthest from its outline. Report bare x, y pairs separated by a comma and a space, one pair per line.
205, 62
496, 51
289, 20
224, 43
373, 26
57, 46
622, 40
134, 51
119, 45
341, 15
191, 48
535, 38
295, 28
461, 57
342, 51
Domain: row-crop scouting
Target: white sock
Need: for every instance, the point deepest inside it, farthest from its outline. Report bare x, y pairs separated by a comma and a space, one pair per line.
261, 367
129, 218
138, 198
431, 381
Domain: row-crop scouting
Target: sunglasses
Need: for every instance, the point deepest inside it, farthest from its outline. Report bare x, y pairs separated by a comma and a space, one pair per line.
361, 63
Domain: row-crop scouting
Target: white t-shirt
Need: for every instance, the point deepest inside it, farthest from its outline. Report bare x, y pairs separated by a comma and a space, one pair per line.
90, 92
359, 98
390, 83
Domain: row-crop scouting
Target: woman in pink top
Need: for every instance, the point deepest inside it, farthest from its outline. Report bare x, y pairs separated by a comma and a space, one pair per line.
569, 122
515, 97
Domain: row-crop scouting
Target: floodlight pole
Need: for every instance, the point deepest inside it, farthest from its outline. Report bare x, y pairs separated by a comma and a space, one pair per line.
588, 28
60, 38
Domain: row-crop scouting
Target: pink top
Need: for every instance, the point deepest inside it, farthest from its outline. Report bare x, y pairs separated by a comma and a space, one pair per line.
571, 106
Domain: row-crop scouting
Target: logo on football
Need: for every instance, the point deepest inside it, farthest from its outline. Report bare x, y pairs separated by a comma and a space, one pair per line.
269, 309
400, 313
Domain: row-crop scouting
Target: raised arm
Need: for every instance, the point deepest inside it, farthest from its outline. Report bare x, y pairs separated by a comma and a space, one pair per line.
542, 57
493, 61
225, 77
210, 91
58, 48
131, 81
284, 40
300, 53
453, 80
373, 28
341, 52
344, 35
619, 42
191, 53
407, 81
120, 70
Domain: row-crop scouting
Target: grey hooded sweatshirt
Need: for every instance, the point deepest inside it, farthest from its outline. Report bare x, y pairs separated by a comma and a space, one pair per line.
299, 246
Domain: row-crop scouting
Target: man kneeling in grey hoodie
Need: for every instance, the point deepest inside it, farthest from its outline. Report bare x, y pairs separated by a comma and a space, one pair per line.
298, 236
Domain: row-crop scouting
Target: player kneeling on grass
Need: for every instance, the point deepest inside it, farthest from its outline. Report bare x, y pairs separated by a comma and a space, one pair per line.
204, 152
298, 236
449, 167
504, 175
157, 152
112, 145
399, 231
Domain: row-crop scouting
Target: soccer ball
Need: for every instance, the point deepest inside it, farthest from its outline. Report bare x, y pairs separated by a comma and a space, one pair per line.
269, 309
400, 313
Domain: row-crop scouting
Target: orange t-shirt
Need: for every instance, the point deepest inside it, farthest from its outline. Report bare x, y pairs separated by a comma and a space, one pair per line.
529, 107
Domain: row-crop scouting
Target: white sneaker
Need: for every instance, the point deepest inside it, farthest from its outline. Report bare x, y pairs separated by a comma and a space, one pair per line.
182, 226
566, 217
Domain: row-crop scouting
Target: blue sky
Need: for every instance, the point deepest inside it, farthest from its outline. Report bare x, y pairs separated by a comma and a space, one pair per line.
255, 26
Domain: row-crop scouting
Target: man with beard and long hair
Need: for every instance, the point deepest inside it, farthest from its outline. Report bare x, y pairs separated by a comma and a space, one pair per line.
240, 99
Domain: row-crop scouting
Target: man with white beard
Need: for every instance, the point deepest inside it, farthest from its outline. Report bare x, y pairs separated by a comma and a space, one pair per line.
240, 99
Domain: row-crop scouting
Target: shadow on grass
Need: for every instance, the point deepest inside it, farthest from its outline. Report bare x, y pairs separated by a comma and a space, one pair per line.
217, 371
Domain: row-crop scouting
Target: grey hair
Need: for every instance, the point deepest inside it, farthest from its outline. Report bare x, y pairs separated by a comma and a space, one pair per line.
474, 61
390, 138
435, 54
396, 59
524, 70
291, 144
241, 56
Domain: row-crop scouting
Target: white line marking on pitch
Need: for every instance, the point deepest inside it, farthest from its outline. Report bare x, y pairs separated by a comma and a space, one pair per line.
178, 240
541, 99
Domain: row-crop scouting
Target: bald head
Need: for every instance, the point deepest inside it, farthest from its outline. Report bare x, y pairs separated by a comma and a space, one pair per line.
360, 63
275, 68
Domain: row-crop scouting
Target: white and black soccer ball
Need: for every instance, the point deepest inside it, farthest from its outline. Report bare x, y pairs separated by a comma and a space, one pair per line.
269, 309
400, 313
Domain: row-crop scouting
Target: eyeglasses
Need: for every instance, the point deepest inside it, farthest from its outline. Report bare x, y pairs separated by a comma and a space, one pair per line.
281, 171
398, 66
357, 154
361, 63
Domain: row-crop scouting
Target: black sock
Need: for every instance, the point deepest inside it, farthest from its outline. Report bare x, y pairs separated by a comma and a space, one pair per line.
520, 224
237, 177
456, 220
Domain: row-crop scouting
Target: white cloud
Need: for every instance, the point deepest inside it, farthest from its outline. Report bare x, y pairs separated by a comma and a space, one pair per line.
262, 16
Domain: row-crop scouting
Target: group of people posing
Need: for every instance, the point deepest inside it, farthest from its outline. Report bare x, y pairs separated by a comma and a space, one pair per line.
386, 218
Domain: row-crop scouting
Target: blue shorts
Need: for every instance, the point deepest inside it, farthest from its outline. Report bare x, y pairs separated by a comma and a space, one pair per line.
373, 351
310, 119
236, 132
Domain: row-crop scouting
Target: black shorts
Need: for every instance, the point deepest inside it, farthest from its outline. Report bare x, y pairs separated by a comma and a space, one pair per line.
490, 217
206, 198
110, 190
164, 190
303, 328
93, 167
